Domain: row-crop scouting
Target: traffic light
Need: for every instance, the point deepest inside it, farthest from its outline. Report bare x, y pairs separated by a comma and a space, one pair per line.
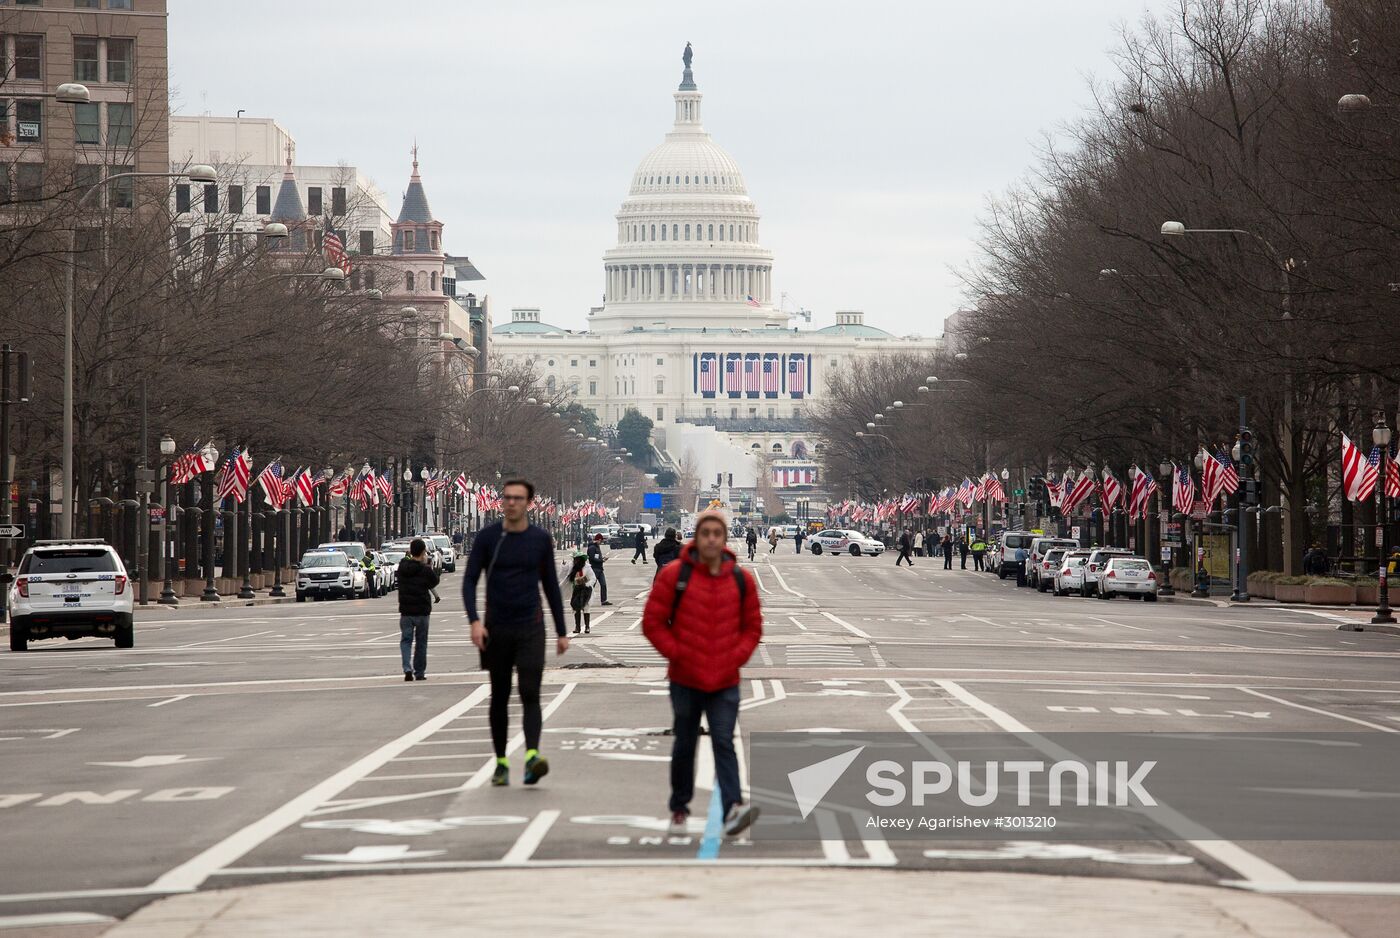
1250, 490
1246, 447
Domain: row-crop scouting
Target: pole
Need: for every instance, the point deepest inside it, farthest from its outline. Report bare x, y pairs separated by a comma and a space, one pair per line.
1163, 551
245, 546
278, 545
1383, 614
1241, 594
143, 524
167, 554
65, 525
5, 352
211, 511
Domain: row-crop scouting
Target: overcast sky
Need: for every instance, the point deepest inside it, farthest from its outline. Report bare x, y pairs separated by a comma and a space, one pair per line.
870, 134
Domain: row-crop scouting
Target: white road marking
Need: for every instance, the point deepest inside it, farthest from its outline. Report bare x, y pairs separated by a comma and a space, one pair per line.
484, 773
219, 641
1327, 713
794, 621
848, 627
409, 778
783, 584
1121, 625
54, 919
1253, 868
530, 838
170, 700
193, 872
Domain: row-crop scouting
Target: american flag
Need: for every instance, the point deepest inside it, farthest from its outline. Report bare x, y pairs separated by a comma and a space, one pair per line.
1080, 491
273, 489
1392, 477
233, 480
1212, 477
189, 465
461, 483
732, 383
1112, 491
1056, 491
753, 377
709, 375
335, 250
965, 492
341, 483
771, 378
1229, 478
797, 376
385, 484
1183, 489
993, 488
1359, 474
749, 300
305, 486
365, 489
908, 503
1144, 487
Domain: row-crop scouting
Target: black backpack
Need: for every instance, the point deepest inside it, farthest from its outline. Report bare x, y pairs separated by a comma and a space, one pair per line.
683, 579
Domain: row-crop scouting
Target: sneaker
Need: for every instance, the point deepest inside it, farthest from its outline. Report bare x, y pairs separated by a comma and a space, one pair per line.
605, 603
536, 769
739, 818
680, 825
575, 630
501, 777
588, 630
420, 677
408, 675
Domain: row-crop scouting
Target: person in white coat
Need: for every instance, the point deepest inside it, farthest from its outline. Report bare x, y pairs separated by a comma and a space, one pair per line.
581, 581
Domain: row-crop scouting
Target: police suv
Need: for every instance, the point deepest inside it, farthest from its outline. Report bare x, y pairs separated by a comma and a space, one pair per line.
75, 588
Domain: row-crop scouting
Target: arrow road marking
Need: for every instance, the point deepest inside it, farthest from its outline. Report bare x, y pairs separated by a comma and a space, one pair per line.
147, 762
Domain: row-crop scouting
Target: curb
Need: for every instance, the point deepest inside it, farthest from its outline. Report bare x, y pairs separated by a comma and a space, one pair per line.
188, 604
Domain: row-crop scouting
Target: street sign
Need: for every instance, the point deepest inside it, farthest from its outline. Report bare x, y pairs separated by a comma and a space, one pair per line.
1074, 532
1018, 492
1166, 555
1380, 536
11, 530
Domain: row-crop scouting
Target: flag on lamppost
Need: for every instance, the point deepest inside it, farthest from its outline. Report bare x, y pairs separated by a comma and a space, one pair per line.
234, 478
1183, 489
1359, 473
1111, 491
271, 481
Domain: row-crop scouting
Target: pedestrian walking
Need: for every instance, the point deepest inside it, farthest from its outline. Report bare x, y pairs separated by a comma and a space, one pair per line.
703, 616
639, 545
797, 539
906, 548
581, 580
947, 546
416, 581
517, 559
751, 539
962, 550
666, 550
979, 550
772, 539
595, 560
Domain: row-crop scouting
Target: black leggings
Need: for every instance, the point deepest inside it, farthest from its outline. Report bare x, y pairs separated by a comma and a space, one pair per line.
509, 651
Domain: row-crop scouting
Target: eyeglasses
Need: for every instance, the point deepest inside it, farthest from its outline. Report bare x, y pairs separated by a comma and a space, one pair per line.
513, 498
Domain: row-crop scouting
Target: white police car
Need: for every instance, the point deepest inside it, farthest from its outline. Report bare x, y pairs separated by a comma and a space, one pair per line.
70, 589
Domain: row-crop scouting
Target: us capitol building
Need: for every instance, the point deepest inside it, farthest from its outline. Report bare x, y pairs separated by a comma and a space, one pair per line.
688, 332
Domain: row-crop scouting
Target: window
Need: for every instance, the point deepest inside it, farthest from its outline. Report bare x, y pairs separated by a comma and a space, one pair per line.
687, 232
338, 200
660, 414
211, 246
29, 182
87, 176
313, 201
550, 384
660, 385
592, 387
731, 232
85, 58
263, 200
709, 411
85, 4
433, 241
121, 192
721, 232
182, 195
663, 232
711, 235
773, 412
796, 413
551, 363
832, 362
593, 363
408, 239
777, 447
29, 58
235, 199
653, 232
355, 278
366, 242
30, 117
182, 241
408, 281
675, 230
119, 125
573, 363
753, 411
211, 198
432, 281
733, 413
87, 125
369, 279
119, 4
119, 60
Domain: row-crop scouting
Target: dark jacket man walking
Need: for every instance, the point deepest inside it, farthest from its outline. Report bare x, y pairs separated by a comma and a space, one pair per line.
416, 579
703, 616
906, 548
666, 550
639, 543
595, 560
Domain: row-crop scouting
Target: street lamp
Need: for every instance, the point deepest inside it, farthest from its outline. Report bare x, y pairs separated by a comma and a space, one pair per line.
198, 174
424, 475
210, 594
1381, 437
167, 559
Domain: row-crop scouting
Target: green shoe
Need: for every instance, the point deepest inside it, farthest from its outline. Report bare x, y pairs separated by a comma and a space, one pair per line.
501, 777
536, 768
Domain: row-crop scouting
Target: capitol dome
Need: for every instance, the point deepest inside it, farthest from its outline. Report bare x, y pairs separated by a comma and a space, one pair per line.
687, 249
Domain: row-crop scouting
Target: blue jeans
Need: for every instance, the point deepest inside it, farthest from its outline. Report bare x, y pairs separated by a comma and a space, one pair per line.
721, 708
413, 628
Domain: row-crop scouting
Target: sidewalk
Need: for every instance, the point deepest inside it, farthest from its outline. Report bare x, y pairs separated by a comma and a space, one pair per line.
677, 901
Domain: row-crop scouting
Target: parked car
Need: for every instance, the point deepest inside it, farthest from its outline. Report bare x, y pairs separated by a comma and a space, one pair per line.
384, 571
443, 543
1128, 576
352, 549
837, 541
1070, 575
75, 588
1036, 561
328, 572
1098, 559
1011, 542
392, 554
631, 529
1048, 567
992, 558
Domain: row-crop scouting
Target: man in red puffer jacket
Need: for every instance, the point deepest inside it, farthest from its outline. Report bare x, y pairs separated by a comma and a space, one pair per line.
703, 616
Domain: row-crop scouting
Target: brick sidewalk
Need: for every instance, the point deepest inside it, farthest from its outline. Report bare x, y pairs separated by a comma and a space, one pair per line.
674, 901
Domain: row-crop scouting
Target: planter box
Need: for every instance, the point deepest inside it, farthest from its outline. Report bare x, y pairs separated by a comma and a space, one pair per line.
1181, 579
1262, 588
1289, 593
1329, 595
1368, 594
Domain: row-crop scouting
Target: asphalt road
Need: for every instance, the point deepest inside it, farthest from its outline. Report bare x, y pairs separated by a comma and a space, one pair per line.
269, 742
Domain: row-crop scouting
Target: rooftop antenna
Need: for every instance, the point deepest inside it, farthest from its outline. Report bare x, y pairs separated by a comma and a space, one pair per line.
783, 301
